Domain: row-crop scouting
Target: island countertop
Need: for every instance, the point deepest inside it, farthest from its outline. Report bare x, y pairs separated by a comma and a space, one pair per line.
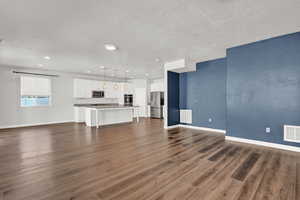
105, 106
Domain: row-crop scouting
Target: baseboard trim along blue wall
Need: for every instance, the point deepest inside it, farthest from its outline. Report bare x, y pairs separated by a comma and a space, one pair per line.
257, 86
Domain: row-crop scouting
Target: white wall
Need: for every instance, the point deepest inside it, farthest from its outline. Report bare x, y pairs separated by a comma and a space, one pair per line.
11, 114
61, 109
140, 96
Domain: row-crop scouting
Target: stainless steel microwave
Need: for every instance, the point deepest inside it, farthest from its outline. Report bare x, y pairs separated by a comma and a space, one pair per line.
98, 94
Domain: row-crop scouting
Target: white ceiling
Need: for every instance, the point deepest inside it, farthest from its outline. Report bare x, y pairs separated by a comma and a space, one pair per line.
73, 32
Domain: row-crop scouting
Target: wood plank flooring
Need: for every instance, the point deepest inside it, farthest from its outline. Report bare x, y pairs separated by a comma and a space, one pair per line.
140, 161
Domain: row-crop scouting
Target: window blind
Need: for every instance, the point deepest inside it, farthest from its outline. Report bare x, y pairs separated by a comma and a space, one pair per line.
35, 86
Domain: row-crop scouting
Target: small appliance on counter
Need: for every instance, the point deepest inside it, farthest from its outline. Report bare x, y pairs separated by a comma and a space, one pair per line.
128, 100
156, 104
97, 94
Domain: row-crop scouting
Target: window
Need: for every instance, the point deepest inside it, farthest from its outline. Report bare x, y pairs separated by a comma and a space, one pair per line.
35, 91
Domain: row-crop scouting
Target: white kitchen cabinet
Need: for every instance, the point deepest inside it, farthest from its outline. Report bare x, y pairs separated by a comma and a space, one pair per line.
140, 99
117, 90
96, 85
83, 88
120, 93
107, 89
128, 88
80, 88
88, 87
113, 91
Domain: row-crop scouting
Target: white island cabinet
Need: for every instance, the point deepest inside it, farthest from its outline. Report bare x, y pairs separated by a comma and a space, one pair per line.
100, 117
107, 115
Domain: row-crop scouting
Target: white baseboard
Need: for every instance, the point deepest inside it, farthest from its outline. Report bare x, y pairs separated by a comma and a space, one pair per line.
196, 127
203, 128
261, 143
35, 124
171, 127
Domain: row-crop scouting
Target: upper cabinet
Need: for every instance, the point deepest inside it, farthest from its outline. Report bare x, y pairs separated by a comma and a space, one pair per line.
96, 85
127, 88
108, 90
83, 88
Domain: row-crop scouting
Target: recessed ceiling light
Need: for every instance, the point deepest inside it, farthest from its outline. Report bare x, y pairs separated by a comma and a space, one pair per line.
102, 67
127, 71
157, 59
147, 74
47, 57
88, 71
110, 47
40, 65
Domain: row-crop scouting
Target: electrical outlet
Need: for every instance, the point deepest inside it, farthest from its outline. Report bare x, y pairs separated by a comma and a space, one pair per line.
210, 120
268, 130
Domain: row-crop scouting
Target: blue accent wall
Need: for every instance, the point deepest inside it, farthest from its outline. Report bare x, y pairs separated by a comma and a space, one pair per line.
173, 98
263, 88
256, 86
204, 91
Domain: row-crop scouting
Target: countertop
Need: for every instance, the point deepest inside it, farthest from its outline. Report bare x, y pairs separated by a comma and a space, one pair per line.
105, 106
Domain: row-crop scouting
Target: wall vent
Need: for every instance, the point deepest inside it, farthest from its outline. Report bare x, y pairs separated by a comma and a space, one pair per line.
292, 133
186, 116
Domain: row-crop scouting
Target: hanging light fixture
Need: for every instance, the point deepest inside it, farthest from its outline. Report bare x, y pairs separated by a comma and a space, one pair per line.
116, 86
104, 83
125, 84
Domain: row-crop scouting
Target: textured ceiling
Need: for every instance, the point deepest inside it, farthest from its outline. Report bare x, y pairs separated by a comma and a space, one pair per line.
73, 32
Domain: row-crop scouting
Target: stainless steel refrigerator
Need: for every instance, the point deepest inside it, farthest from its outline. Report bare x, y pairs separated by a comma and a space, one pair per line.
156, 104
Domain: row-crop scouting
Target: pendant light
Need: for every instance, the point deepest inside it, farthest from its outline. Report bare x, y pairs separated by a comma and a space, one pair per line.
116, 85
104, 83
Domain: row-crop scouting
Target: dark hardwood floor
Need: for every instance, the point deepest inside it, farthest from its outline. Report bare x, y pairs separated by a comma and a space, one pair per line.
140, 161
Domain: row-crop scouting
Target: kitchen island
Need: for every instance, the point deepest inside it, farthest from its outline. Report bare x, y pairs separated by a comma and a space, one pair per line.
99, 115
